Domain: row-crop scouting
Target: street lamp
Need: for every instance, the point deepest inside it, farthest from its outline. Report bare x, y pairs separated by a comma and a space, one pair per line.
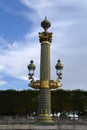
31, 67
45, 84
59, 67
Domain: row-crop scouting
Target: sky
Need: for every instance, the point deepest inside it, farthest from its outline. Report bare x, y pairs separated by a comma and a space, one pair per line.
19, 42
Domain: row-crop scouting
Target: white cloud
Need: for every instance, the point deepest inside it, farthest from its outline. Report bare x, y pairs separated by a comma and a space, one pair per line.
14, 62
3, 83
1, 68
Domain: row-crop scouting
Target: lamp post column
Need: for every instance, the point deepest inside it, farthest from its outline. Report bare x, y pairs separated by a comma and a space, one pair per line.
45, 84
44, 112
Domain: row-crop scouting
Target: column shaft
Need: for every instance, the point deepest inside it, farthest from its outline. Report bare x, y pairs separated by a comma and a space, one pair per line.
45, 61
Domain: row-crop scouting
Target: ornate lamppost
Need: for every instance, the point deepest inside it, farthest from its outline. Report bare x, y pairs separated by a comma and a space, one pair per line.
45, 84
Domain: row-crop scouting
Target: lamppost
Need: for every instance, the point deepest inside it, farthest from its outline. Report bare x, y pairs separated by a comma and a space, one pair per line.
31, 68
59, 68
45, 84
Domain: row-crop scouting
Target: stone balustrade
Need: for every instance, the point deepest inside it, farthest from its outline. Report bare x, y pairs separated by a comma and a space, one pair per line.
27, 123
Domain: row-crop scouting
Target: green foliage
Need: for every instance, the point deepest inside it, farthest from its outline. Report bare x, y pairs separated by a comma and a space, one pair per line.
26, 102
66, 101
18, 102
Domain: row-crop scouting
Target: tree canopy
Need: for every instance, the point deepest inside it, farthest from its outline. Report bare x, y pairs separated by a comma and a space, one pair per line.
25, 102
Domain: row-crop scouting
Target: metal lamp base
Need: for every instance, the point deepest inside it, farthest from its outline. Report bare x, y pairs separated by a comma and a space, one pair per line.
44, 120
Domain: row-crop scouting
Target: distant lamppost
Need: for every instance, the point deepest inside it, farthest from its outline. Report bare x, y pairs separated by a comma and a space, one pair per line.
31, 67
59, 68
45, 84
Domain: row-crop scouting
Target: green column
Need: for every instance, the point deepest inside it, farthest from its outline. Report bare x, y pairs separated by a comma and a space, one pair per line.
45, 61
44, 111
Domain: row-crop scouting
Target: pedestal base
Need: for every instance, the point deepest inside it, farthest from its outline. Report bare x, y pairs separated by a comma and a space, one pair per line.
44, 120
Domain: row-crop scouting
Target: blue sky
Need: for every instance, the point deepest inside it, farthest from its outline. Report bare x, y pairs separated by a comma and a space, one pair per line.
19, 42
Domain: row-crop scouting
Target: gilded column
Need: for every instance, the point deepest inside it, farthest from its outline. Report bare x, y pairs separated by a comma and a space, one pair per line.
45, 84
44, 112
